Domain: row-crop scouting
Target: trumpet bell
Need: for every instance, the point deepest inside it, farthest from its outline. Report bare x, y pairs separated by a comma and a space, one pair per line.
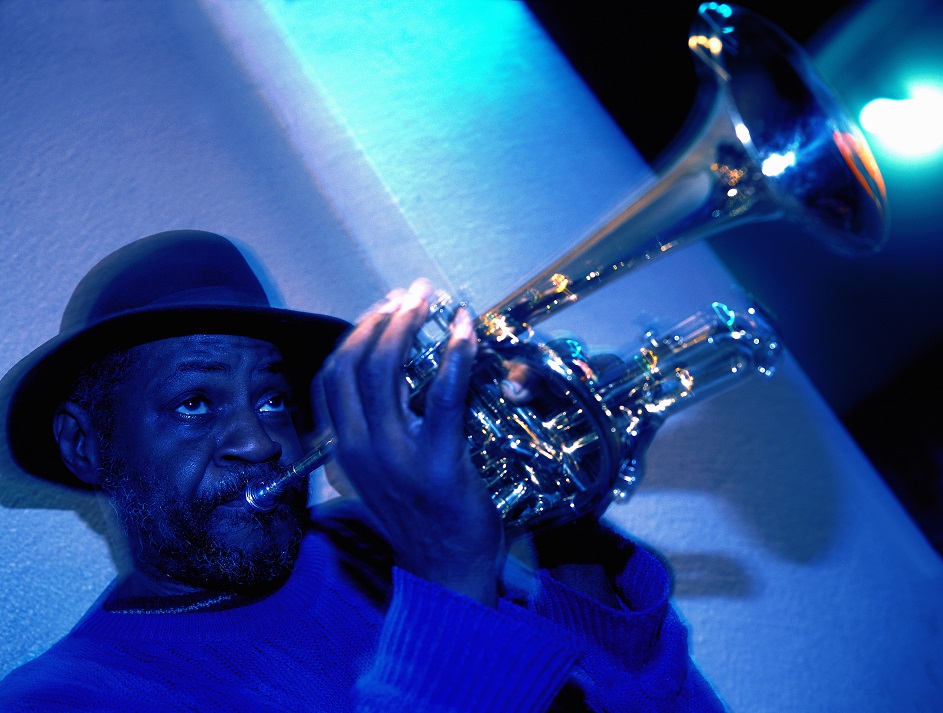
768, 141
771, 142
794, 131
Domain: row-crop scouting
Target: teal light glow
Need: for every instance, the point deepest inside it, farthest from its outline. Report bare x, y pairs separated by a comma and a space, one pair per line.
647, 362
575, 348
446, 106
725, 313
907, 128
721, 8
445, 71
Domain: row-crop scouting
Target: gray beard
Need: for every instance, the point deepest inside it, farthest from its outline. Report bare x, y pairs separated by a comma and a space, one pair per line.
199, 544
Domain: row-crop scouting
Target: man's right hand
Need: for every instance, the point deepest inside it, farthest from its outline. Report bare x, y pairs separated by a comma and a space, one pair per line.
414, 473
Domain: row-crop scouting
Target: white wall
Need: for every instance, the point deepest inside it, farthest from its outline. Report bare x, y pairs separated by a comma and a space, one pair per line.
361, 143
117, 120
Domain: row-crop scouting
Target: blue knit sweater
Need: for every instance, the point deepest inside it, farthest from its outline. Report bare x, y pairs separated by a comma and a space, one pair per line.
350, 632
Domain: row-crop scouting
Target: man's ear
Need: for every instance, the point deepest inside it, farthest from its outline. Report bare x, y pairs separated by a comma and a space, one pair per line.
78, 441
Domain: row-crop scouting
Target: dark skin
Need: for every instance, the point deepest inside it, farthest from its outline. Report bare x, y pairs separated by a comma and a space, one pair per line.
414, 474
201, 415
197, 416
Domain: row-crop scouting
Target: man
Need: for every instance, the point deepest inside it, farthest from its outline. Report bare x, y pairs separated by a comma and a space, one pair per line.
173, 383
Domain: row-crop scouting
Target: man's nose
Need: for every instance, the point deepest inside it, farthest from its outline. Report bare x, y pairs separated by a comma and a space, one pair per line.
245, 438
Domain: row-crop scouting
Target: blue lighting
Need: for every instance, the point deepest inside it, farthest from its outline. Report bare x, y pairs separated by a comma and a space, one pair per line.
725, 313
368, 61
575, 349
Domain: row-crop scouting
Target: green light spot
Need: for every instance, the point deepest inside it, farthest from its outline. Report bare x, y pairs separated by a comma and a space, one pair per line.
727, 315
576, 349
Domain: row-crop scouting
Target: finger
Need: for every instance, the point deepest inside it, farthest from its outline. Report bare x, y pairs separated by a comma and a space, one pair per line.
337, 479
445, 403
334, 473
322, 415
381, 376
337, 393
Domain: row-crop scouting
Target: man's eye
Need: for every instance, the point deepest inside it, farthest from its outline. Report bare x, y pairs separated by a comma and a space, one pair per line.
276, 403
193, 406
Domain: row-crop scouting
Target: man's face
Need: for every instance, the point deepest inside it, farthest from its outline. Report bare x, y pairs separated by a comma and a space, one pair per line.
198, 418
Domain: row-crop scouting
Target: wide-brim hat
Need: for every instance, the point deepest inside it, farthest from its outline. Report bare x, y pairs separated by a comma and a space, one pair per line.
171, 284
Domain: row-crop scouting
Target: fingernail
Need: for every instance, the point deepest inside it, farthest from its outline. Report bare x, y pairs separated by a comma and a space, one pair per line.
422, 287
462, 328
391, 305
410, 301
417, 293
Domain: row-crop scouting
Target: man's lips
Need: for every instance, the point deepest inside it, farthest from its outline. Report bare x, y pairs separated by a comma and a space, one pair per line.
236, 504
231, 492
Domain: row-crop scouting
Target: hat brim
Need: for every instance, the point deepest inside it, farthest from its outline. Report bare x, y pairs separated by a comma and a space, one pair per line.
31, 391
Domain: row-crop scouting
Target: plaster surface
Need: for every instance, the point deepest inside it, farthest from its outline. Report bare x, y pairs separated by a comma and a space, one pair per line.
362, 144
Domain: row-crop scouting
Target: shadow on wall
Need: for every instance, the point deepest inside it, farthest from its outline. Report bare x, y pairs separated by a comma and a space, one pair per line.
786, 501
19, 489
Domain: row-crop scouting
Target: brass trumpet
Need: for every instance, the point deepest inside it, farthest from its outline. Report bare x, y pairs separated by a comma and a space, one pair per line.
772, 143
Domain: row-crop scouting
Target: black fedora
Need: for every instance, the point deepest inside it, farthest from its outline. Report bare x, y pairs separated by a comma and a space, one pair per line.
170, 284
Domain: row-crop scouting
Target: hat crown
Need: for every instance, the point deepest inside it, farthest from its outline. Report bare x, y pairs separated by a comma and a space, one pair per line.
180, 267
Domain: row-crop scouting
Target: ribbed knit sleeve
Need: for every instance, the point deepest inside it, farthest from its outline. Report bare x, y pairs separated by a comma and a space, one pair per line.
637, 657
338, 637
441, 652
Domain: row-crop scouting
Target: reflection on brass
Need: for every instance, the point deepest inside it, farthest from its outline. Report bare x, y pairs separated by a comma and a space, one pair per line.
790, 153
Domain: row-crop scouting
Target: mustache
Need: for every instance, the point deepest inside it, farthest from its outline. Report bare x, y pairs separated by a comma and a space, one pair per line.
232, 483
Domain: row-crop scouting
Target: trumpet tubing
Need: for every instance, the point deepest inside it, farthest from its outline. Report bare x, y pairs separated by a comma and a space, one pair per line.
771, 143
